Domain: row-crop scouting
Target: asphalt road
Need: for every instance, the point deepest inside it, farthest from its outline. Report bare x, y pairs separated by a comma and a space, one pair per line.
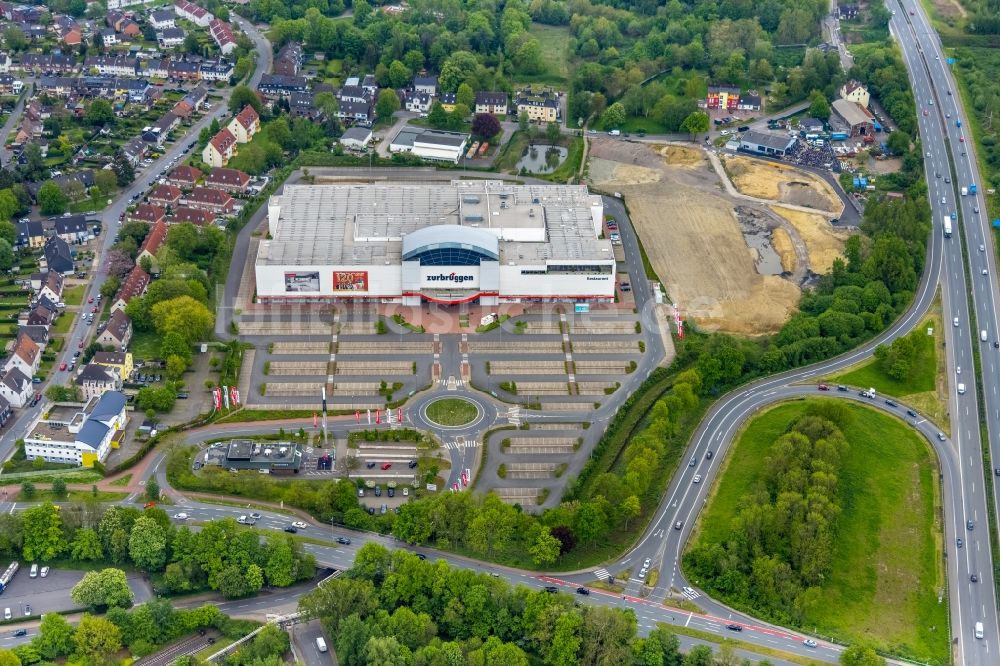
81, 330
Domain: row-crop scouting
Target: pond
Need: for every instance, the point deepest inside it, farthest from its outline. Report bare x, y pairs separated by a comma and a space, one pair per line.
542, 158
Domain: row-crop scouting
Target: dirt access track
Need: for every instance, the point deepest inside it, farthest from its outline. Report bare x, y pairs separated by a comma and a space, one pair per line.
781, 183
693, 238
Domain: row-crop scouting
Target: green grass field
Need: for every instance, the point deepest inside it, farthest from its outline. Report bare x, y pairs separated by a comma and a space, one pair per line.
73, 295
145, 345
921, 377
554, 41
452, 411
887, 570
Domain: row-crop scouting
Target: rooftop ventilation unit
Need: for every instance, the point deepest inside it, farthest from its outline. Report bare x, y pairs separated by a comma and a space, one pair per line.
473, 218
470, 200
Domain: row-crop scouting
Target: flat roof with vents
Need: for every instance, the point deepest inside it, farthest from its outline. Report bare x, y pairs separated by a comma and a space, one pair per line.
353, 224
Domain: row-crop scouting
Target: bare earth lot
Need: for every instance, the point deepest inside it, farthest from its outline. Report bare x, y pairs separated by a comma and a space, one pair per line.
695, 240
691, 235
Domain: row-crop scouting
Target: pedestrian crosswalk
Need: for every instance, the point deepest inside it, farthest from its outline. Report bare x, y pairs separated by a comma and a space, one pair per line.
458, 446
690, 593
602, 574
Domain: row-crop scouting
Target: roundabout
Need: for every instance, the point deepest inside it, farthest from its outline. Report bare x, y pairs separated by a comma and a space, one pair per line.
453, 412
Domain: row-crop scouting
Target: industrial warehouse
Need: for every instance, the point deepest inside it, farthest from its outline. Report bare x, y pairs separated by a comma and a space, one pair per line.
465, 241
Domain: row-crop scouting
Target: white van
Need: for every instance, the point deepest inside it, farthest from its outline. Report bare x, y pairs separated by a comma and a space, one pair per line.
34, 571
979, 629
961, 389
7, 614
982, 335
321, 644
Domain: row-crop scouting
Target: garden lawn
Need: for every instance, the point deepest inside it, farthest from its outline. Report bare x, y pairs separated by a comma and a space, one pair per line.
145, 345
887, 570
73, 295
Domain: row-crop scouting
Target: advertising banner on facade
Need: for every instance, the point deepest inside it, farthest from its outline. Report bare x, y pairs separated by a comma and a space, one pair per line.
302, 282
350, 280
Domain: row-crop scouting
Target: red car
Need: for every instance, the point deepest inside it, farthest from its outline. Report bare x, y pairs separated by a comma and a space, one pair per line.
386, 466
80, 345
823, 387
149, 505
961, 139
925, 112
90, 300
62, 366
94, 310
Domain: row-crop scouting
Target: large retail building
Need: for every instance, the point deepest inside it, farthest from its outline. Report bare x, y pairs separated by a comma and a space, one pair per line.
466, 241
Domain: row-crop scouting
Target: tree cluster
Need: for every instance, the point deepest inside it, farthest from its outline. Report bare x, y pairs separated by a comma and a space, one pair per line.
896, 359
779, 548
223, 556
395, 609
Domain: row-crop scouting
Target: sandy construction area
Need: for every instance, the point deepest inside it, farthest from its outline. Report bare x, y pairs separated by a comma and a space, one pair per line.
692, 237
824, 242
781, 183
782, 243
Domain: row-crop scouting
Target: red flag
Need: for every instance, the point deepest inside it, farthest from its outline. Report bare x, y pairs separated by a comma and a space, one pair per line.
399, 414
315, 421
357, 416
378, 416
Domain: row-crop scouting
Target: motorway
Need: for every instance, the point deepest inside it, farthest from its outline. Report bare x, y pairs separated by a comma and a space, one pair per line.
81, 330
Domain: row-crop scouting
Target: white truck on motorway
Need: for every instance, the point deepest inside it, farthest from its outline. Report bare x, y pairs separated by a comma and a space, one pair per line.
870, 393
965, 191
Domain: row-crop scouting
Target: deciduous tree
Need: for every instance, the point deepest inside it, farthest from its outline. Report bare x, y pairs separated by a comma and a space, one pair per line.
97, 639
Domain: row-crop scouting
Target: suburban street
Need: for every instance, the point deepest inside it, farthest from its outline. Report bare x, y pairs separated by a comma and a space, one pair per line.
81, 330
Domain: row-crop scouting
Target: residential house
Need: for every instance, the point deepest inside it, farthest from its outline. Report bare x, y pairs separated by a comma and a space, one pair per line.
196, 216
117, 361
109, 37
25, 356
72, 229
418, 102
426, 84
491, 102
183, 70
112, 65
134, 150
148, 213
165, 196
184, 176
133, 286
354, 111
748, 102
130, 29
30, 234
117, 332
216, 70
853, 91
94, 380
288, 62
158, 68
50, 286
222, 33
810, 125
69, 34
369, 84
301, 105
15, 388
57, 256
276, 85
50, 64
541, 106
220, 149
10, 86
233, 181
40, 334
168, 38
39, 315
86, 438
211, 199
152, 244
722, 97
848, 11
56, 86
161, 19
182, 109
244, 124
198, 95
192, 12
